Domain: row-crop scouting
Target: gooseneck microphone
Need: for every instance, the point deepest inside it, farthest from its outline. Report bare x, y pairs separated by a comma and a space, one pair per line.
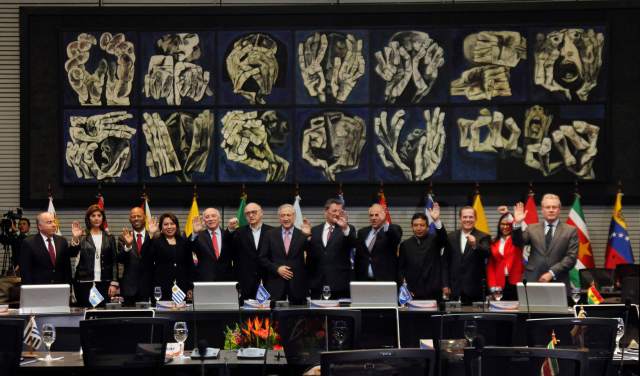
484, 293
526, 296
627, 308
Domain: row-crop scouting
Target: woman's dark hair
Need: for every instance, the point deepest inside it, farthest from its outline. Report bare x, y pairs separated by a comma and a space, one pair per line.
173, 219
418, 216
499, 232
87, 216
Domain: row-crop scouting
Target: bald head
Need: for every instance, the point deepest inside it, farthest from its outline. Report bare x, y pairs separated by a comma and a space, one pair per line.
377, 216
253, 213
211, 218
46, 223
137, 218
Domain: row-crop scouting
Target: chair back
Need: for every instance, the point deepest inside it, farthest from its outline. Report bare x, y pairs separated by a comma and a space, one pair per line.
626, 270
124, 343
305, 333
601, 276
524, 361
10, 345
406, 362
496, 329
630, 289
596, 335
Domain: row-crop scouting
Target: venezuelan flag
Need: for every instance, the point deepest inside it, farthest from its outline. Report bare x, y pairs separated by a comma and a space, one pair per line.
619, 245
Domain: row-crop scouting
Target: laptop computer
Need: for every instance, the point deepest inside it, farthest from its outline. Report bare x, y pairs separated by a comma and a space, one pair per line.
374, 294
543, 297
44, 299
215, 296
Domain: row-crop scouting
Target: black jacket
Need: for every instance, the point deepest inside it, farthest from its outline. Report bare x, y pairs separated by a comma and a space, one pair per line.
136, 276
210, 268
87, 251
383, 257
247, 269
422, 265
330, 265
467, 270
272, 256
170, 263
35, 262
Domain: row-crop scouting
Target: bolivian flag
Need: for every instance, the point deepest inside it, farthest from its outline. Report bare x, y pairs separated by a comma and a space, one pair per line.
593, 296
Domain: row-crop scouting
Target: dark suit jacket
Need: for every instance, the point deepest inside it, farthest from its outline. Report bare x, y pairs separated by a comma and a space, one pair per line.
247, 269
330, 265
468, 269
35, 263
209, 268
383, 257
560, 257
170, 262
136, 277
422, 265
87, 251
272, 256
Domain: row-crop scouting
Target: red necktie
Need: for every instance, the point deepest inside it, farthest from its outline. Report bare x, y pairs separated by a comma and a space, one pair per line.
329, 233
139, 243
214, 240
52, 252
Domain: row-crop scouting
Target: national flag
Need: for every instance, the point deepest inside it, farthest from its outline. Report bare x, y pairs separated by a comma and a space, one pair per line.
31, 335
383, 202
529, 219
352, 251
481, 218
242, 220
95, 297
404, 296
619, 245
52, 211
428, 206
147, 213
101, 206
585, 254
593, 295
194, 212
262, 295
550, 365
177, 295
298, 212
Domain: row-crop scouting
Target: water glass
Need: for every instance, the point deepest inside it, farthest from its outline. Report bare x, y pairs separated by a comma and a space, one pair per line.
619, 333
326, 292
48, 337
497, 293
340, 332
157, 293
180, 334
575, 295
470, 330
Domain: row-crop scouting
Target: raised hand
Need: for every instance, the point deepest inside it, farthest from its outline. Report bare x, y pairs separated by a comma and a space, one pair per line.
153, 226
127, 236
343, 220
519, 213
435, 212
310, 56
197, 224
76, 230
306, 227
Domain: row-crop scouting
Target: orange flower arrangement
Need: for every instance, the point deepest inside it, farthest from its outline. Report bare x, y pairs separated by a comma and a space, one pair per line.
255, 332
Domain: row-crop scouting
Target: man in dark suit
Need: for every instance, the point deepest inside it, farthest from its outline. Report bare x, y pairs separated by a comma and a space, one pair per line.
212, 247
246, 242
282, 255
135, 284
377, 251
466, 257
329, 250
554, 245
44, 257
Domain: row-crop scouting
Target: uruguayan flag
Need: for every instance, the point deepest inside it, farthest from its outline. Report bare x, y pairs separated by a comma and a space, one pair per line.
404, 296
262, 295
177, 295
95, 297
31, 335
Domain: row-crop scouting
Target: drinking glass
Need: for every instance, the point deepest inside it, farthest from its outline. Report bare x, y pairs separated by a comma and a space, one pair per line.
340, 332
619, 333
180, 333
48, 337
157, 293
575, 295
470, 330
326, 292
497, 293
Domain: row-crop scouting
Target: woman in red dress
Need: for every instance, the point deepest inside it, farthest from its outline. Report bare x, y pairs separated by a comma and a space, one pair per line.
505, 265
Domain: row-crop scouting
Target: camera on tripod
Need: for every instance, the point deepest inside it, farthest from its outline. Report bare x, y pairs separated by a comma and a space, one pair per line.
8, 222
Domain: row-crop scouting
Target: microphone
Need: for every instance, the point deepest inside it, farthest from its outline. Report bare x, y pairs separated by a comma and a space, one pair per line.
526, 296
484, 293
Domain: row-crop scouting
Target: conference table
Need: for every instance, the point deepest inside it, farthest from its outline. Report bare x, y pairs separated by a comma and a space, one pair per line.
381, 328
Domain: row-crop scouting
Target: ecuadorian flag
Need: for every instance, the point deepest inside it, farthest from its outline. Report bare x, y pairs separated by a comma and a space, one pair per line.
618, 246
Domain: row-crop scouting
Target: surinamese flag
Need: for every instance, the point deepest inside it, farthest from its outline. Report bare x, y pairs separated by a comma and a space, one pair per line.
585, 254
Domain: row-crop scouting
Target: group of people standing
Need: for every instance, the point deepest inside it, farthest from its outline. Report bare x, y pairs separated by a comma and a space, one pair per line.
296, 263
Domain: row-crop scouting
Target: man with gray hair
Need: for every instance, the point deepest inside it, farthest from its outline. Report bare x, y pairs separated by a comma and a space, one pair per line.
213, 248
554, 245
44, 257
282, 255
